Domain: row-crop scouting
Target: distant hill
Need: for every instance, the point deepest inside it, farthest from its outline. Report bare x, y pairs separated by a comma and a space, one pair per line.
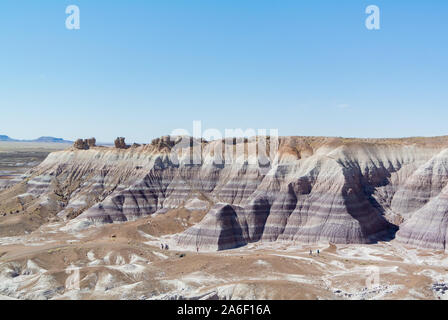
6, 138
41, 139
51, 140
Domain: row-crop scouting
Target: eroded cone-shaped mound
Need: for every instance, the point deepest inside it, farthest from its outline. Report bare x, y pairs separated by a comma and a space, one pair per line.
428, 227
220, 229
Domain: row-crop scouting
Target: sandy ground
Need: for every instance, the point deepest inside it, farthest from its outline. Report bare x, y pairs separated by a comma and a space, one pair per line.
126, 261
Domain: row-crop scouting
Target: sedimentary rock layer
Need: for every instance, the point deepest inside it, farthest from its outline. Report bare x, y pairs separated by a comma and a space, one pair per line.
308, 190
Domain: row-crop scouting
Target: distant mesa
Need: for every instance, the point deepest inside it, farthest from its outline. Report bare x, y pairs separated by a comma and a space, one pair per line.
50, 140
6, 138
41, 140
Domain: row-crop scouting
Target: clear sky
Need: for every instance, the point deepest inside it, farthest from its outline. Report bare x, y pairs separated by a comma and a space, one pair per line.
141, 68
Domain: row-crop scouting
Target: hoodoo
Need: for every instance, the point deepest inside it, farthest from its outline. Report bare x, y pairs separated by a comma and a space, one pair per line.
120, 143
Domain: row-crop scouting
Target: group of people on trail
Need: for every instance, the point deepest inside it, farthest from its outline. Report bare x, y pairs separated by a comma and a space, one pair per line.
164, 246
311, 252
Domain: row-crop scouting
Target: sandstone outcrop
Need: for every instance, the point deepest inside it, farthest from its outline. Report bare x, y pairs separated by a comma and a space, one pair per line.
222, 228
313, 189
164, 142
120, 143
91, 142
81, 144
84, 144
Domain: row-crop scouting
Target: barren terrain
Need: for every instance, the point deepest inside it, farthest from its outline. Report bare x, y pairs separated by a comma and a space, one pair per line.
126, 262
18, 157
100, 224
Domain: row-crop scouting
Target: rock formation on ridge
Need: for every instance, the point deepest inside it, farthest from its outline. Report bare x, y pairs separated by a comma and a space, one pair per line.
91, 142
120, 143
81, 144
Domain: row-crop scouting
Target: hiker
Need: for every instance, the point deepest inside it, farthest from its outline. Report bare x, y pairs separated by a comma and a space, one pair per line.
311, 252
318, 251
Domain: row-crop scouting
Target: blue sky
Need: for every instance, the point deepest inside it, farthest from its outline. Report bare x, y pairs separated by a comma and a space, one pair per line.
142, 68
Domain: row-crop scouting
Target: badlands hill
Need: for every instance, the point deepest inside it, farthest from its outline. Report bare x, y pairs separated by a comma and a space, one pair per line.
312, 189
